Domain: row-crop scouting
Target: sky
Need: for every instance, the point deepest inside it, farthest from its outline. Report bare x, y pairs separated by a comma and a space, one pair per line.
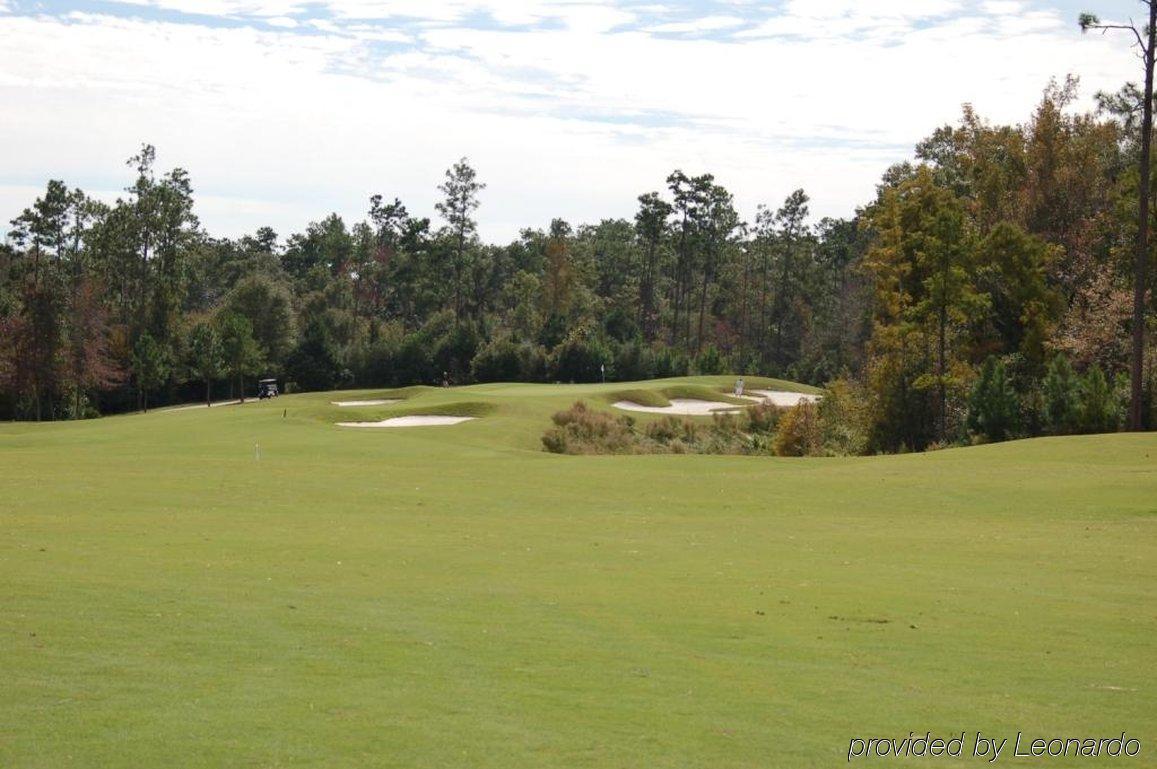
283, 111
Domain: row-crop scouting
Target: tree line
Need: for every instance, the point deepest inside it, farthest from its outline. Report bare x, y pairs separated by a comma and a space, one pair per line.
999, 251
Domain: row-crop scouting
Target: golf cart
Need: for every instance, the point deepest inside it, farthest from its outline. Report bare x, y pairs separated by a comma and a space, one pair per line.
266, 388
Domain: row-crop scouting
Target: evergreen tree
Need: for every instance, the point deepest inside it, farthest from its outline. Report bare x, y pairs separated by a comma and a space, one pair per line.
1062, 397
993, 407
1100, 410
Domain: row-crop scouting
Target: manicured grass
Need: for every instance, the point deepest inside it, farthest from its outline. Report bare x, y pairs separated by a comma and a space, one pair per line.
454, 596
641, 396
659, 397
333, 414
703, 393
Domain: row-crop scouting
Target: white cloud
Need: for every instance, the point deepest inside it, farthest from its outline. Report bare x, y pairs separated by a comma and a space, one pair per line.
575, 120
1002, 7
224, 7
702, 24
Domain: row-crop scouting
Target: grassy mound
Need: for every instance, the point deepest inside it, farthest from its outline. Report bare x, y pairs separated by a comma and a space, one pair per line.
476, 409
768, 383
661, 397
703, 393
649, 398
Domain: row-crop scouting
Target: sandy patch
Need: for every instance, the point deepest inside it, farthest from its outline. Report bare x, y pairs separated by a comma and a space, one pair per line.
690, 407
415, 421
364, 403
685, 407
783, 398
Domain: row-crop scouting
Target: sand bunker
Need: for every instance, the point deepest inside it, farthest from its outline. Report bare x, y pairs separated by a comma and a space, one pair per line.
684, 407
783, 398
691, 407
364, 403
415, 421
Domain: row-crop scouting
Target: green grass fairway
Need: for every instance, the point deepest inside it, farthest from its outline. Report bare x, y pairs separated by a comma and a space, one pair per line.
454, 596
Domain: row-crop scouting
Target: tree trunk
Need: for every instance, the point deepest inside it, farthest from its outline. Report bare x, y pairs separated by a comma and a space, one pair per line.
208, 391
1136, 418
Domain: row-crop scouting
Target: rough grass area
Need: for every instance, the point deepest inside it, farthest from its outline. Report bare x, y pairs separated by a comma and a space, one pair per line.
449, 598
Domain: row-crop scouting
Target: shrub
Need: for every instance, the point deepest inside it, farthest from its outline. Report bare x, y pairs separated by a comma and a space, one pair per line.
843, 413
670, 429
993, 406
763, 418
581, 430
799, 433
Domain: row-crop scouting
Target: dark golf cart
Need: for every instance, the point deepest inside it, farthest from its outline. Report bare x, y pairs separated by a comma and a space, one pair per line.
267, 388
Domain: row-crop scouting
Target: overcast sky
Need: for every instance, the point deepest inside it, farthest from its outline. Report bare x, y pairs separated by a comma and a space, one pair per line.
285, 110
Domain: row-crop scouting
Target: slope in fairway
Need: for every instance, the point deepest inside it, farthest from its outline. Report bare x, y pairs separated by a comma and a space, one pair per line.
457, 597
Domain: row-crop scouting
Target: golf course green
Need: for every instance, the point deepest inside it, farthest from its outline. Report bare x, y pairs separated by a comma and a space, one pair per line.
255, 586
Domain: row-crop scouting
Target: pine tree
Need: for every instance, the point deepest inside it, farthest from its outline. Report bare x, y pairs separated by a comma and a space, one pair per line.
1062, 397
993, 407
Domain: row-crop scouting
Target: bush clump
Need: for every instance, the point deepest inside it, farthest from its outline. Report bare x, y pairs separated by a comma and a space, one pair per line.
582, 430
836, 426
799, 433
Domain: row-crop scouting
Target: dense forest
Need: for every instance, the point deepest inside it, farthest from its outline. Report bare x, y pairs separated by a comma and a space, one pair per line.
985, 291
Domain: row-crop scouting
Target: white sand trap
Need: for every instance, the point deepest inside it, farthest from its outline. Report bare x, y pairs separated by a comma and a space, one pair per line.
684, 407
364, 403
783, 398
423, 421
